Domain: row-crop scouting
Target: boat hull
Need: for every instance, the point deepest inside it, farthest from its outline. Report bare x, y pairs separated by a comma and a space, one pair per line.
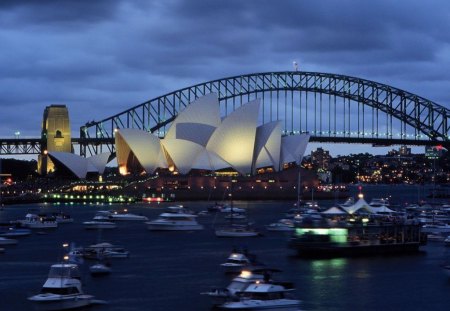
233, 234
323, 250
63, 303
266, 305
170, 227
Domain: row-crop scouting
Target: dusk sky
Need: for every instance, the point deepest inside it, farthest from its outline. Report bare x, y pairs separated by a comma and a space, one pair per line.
102, 57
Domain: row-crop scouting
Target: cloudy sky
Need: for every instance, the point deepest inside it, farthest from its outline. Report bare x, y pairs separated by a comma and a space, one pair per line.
102, 57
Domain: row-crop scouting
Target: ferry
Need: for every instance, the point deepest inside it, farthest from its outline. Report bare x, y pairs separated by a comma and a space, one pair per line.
359, 237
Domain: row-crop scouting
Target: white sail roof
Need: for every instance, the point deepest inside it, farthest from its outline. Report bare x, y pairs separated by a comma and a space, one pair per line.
99, 161
334, 211
234, 139
209, 160
267, 145
145, 146
182, 152
195, 132
360, 204
76, 164
293, 148
204, 110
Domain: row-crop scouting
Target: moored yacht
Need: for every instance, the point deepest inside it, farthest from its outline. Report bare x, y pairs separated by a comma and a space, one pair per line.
239, 260
236, 231
34, 221
263, 296
174, 222
62, 290
95, 224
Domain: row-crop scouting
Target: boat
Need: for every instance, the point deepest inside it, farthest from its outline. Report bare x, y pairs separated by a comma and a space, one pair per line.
127, 216
356, 237
235, 231
62, 290
236, 216
94, 224
282, 225
263, 296
447, 241
232, 209
34, 221
6, 241
62, 218
446, 269
104, 250
239, 260
239, 283
100, 269
436, 228
15, 232
174, 222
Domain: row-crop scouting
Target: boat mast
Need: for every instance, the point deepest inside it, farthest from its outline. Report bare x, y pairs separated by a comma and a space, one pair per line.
298, 185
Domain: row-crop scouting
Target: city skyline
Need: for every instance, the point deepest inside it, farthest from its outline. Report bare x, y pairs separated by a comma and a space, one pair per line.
106, 57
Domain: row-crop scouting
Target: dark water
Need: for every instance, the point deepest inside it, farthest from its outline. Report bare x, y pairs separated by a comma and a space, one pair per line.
168, 270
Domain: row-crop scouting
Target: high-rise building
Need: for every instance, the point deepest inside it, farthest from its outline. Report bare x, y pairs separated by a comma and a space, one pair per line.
321, 158
56, 135
404, 151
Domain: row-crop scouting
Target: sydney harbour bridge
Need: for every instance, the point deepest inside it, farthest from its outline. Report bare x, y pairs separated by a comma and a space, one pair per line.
330, 107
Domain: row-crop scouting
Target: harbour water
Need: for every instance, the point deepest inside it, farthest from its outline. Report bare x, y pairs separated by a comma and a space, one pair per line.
168, 270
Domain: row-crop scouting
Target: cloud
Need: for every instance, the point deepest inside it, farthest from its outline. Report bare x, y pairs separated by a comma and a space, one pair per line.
102, 57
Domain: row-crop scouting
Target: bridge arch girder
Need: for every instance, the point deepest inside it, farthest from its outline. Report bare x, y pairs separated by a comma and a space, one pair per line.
402, 111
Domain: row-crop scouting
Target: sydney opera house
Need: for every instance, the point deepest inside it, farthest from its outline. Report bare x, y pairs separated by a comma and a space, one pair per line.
199, 139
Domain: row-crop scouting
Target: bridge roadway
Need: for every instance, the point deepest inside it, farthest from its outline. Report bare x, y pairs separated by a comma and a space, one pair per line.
23, 146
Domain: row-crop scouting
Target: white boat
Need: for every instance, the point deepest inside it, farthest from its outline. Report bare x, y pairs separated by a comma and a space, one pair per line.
238, 260
105, 250
231, 209
446, 269
174, 222
100, 269
6, 241
281, 225
62, 290
94, 224
447, 241
15, 232
125, 216
62, 218
34, 221
237, 285
235, 231
436, 228
236, 216
263, 296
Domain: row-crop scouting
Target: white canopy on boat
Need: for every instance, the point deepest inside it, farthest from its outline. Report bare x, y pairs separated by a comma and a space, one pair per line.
360, 204
334, 211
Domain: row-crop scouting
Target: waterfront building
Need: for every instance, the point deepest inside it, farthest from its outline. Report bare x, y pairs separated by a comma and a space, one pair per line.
321, 158
200, 139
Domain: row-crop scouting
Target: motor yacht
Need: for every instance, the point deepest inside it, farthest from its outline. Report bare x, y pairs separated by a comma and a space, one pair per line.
239, 260
100, 269
174, 222
231, 209
62, 218
15, 232
282, 225
105, 250
6, 241
436, 228
447, 241
34, 221
124, 216
263, 296
235, 231
62, 290
94, 224
237, 285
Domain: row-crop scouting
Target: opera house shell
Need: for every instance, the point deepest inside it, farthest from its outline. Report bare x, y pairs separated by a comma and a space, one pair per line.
79, 166
200, 139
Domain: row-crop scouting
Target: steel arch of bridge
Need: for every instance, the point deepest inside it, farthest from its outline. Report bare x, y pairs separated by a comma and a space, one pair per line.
331, 107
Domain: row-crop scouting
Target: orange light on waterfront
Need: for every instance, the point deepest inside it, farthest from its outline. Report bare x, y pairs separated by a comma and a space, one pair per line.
123, 170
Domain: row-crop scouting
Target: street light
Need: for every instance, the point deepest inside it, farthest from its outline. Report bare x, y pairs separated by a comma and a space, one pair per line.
17, 134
